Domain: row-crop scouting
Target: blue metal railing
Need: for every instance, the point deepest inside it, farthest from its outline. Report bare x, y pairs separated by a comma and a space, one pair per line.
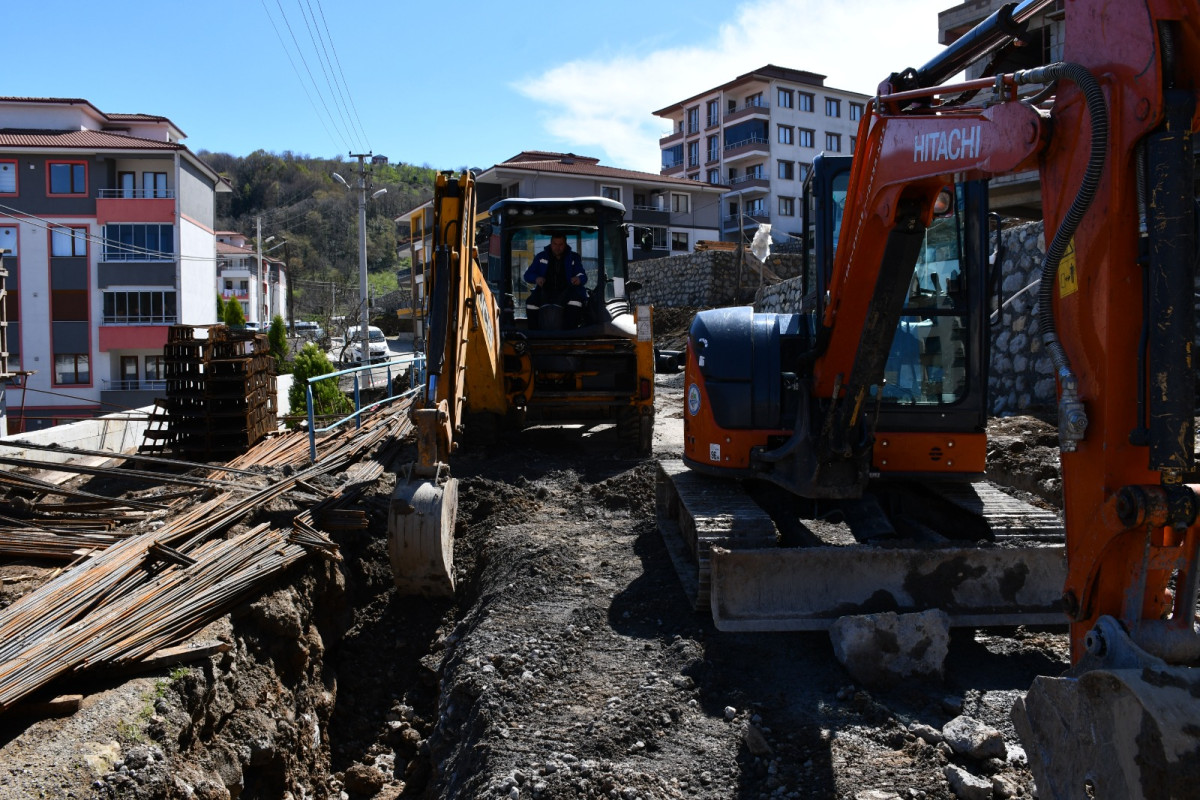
416, 366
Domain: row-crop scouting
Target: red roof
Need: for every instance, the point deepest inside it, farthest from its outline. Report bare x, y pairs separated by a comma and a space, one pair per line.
571, 164
83, 140
232, 249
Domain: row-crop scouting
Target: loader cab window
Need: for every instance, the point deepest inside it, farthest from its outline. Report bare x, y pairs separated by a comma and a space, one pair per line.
601, 259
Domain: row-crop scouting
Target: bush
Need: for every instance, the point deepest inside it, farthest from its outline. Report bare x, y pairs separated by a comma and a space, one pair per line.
328, 399
234, 318
277, 338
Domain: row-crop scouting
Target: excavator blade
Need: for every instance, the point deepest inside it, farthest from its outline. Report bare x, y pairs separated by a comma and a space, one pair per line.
421, 537
1113, 733
809, 588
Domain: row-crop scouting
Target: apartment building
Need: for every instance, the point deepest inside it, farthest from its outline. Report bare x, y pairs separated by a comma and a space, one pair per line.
676, 211
108, 221
260, 288
757, 134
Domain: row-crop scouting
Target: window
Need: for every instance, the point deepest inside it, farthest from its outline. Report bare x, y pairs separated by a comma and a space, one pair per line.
693, 119
138, 242
732, 106
694, 154
140, 307
732, 174
660, 238
785, 134
714, 148
71, 368
68, 177
833, 142
154, 184
756, 208
833, 107
733, 209
714, 176
8, 241
786, 170
856, 111
695, 176
714, 112
803, 171
806, 101
785, 98
787, 206
679, 241
65, 242
679, 203
853, 142
755, 171
611, 192
806, 137
8, 177
756, 101
129, 373
672, 156
156, 368
127, 181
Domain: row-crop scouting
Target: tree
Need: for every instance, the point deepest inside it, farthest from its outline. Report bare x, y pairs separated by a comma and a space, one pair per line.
220, 309
234, 317
277, 337
328, 399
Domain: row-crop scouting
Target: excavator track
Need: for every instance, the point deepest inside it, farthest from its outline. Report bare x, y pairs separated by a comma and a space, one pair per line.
726, 549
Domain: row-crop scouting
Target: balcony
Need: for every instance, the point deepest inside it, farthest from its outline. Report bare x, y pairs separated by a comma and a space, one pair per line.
748, 221
671, 166
758, 110
750, 185
132, 393
754, 147
135, 205
671, 137
650, 215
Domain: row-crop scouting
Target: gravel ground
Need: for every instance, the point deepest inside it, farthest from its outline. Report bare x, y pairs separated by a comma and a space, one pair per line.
568, 666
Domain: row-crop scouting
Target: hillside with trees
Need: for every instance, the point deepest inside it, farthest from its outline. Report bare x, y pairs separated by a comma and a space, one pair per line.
299, 201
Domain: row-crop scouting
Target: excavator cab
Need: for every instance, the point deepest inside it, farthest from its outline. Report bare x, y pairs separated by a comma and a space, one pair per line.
934, 380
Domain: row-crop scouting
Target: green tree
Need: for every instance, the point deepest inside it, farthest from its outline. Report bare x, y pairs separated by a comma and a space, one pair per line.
220, 309
328, 399
277, 337
234, 317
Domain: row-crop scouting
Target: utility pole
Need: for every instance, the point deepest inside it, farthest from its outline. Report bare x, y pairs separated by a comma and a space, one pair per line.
290, 277
364, 310
258, 273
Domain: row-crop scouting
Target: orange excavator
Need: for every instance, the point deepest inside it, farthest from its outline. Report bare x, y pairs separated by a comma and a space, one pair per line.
817, 402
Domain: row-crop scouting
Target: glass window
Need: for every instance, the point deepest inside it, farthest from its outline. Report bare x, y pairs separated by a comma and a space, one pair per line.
856, 111
693, 119
714, 176
156, 368
68, 241
833, 142
68, 177
611, 192
806, 101
672, 156
128, 184
807, 138
694, 154
787, 206
785, 98
8, 241
154, 184
785, 134
138, 242
786, 170
853, 143
714, 112
140, 307
714, 148
679, 203
8, 177
679, 240
71, 368
833, 107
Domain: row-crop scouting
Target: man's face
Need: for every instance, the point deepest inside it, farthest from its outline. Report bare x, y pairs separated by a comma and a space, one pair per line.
558, 245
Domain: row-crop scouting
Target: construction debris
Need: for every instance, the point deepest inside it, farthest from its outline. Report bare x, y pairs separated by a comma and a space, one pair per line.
221, 396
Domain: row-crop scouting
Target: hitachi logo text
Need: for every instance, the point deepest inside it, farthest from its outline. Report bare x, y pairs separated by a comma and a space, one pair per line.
947, 146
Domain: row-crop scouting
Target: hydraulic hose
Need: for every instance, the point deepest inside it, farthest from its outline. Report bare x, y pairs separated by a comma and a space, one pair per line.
1072, 419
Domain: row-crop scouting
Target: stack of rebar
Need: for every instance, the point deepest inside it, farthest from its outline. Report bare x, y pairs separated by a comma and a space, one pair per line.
221, 396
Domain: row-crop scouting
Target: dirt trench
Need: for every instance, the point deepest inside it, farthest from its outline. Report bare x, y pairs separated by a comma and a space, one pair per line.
568, 666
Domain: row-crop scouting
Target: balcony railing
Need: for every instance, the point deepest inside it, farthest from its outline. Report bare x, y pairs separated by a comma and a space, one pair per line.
140, 319
136, 194
133, 385
745, 142
672, 164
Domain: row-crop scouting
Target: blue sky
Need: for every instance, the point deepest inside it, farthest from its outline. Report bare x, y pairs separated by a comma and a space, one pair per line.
443, 84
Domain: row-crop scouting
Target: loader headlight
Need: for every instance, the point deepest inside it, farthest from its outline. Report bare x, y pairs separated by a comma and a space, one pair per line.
693, 403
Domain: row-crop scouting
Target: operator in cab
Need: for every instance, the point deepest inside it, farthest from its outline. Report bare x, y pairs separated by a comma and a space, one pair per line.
560, 280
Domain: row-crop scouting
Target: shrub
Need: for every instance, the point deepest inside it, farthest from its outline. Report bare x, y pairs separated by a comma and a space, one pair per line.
328, 399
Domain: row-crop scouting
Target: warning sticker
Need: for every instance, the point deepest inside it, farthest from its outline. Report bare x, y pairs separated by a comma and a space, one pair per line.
714, 452
1068, 279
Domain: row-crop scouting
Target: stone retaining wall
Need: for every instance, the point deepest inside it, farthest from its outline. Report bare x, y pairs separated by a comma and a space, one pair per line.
705, 279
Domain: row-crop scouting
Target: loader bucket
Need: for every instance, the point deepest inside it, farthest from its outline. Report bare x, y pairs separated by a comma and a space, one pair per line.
809, 588
421, 520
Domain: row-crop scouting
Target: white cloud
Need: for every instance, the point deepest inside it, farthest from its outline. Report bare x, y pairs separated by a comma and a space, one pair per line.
605, 106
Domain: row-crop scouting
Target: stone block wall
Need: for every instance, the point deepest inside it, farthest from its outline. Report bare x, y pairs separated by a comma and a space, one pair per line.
704, 279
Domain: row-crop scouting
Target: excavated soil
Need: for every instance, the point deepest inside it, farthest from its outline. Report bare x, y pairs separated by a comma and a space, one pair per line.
567, 666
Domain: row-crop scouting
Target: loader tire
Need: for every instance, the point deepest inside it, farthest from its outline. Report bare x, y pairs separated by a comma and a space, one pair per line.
635, 431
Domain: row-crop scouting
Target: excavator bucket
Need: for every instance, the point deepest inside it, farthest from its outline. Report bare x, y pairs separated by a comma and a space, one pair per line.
421, 537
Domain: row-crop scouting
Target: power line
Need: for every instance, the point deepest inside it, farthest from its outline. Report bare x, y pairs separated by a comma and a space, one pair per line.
326, 66
343, 76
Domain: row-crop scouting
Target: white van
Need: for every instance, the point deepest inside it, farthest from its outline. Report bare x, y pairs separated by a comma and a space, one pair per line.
309, 331
377, 347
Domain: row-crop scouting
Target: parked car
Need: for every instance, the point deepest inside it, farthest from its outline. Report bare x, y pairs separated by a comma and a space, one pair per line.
377, 347
309, 331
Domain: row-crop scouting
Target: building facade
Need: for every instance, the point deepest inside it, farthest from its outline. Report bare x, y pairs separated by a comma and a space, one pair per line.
260, 288
108, 224
675, 212
757, 135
